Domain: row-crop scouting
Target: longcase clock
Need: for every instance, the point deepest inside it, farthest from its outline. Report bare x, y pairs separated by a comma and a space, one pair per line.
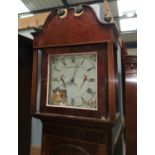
75, 88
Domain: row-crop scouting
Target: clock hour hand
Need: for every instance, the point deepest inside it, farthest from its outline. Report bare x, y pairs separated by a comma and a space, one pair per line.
62, 79
72, 80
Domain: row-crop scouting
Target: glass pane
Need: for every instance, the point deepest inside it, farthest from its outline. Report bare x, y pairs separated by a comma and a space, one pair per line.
73, 81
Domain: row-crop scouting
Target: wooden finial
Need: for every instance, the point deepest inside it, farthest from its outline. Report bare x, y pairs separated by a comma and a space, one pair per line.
78, 11
62, 13
107, 12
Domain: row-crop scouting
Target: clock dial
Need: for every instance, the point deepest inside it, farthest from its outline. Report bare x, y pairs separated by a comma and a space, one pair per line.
73, 81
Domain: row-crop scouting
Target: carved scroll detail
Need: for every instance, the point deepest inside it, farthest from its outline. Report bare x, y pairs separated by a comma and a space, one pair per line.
67, 148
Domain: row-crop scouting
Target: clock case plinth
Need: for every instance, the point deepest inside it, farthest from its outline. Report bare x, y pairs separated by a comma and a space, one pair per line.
73, 135
69, 130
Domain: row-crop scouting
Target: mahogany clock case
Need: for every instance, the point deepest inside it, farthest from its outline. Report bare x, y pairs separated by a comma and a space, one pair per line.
69, 130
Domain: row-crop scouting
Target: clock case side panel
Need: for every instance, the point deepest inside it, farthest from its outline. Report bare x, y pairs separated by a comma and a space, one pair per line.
118, 67
102, 78
34, 81
116, 79
115, 94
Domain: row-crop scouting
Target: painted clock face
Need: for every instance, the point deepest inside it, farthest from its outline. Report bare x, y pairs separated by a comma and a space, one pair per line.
72, 81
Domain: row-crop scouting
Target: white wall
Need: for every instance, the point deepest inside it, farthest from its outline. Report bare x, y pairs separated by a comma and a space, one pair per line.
26, 33
132, 51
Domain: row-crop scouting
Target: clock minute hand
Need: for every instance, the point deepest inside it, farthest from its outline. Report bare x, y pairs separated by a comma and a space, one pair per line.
84, 80
74, 73
75, 70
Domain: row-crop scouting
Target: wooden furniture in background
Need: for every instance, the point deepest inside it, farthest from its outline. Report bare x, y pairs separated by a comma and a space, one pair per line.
25, 57
37, 20
70, 131
35, 150
131, 104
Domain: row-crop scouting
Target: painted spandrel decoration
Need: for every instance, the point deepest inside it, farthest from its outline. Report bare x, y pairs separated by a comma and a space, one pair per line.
72, 81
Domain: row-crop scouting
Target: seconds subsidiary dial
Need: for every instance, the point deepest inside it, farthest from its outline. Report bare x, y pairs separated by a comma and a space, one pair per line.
72, 81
